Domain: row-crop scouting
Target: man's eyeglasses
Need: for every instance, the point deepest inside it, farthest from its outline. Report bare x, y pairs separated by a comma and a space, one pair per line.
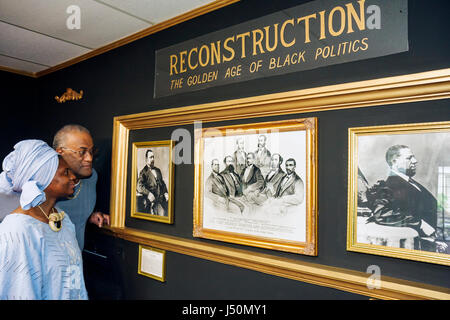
82, 153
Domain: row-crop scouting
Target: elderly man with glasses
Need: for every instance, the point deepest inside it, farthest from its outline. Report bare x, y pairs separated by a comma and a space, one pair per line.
74, 143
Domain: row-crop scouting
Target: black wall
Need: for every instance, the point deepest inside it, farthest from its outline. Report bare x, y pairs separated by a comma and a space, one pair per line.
121, 82
18, 105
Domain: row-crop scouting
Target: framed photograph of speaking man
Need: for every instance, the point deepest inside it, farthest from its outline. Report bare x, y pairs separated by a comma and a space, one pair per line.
256, 185
399, 191
152, 181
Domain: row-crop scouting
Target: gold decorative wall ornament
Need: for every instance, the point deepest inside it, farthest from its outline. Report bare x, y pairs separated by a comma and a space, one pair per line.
70, 94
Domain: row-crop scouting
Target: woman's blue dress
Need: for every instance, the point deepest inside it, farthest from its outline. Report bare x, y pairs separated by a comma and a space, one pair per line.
37, 263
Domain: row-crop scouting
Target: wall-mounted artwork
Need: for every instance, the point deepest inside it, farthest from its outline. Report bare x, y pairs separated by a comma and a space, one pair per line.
255, 184
152, 181
399, 191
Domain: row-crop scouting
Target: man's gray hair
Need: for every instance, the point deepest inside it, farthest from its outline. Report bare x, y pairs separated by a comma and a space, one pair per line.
394, 152
279, 157
59, 138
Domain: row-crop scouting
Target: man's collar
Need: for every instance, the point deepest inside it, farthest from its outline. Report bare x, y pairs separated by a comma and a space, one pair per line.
401, 175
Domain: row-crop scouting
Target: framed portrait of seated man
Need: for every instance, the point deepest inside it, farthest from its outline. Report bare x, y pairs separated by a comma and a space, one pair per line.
399, 191
152, 181
255, 185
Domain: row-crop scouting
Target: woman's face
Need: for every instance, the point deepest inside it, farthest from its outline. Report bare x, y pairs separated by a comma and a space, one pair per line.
63, 182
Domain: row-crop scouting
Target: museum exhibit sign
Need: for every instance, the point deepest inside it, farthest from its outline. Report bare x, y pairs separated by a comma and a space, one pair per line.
152, 263
312, 35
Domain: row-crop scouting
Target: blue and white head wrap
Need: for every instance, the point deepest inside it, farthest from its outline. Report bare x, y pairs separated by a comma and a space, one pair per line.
28, 170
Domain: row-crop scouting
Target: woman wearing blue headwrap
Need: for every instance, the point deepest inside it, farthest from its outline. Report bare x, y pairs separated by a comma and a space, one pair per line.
39, 253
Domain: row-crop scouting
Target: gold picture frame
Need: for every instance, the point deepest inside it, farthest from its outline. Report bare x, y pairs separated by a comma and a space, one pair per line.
145, 179
249, 203
389, 212
152, 263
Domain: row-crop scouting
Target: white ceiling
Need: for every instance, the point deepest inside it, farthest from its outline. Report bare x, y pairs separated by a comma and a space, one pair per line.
34, 35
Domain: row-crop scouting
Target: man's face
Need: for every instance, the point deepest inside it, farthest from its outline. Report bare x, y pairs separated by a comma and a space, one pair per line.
290, 167
228, 161
250, 159
406, 162
150, 160
261, 141
215, 166
240, 144
77, 151
275, 161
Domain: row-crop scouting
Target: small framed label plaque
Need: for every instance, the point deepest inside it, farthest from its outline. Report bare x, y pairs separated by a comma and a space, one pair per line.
152, 263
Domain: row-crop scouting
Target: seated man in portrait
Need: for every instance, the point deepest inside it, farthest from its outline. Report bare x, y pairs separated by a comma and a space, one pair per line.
291, 188
232, 179
232, 182
401, 201
217, 191
273, 178
272, 181
252, 179
152, 194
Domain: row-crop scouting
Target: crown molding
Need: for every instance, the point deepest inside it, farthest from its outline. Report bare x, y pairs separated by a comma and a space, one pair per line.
21, 72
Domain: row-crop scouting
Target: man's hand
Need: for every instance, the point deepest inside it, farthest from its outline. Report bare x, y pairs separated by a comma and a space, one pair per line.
99, 218
426, 228
441, 246
151, 197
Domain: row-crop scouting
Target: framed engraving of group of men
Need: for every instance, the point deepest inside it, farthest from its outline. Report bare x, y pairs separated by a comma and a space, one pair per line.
255, 184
